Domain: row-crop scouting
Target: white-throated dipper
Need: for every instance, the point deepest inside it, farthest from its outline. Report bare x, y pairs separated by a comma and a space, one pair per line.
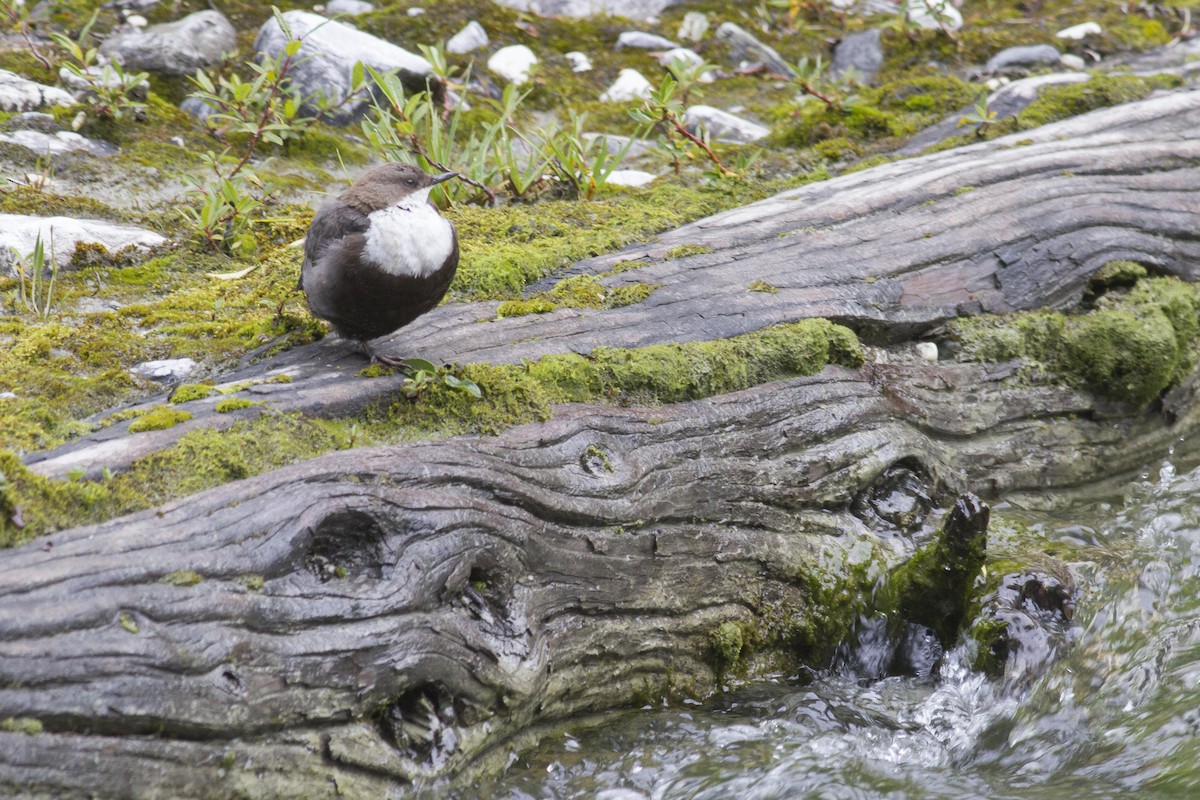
379, 256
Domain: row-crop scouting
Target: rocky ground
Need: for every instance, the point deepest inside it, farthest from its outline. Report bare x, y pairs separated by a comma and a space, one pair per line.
169, 179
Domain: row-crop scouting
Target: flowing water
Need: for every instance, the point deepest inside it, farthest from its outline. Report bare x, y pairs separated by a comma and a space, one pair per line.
1118, 715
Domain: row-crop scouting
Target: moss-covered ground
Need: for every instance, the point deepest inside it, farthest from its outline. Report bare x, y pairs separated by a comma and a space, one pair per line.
110, 311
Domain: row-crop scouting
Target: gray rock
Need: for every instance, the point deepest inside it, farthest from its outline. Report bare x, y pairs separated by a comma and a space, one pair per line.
57, 142
198, 41
513, 63
644, 41
18, 93
167, 370
351, 7
694, 26
723, 126
1026, 56
861, 53
19, 232
630, 9
745, 46
328, 54
198, 108
471, 37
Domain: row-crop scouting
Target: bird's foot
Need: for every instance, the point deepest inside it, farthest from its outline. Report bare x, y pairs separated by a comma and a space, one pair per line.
387, 361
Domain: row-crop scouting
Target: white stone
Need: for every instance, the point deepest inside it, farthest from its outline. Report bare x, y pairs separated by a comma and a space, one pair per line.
1080, 31
630, 177
629, 85
723, 126
416, 12
579, 61
513, 63
18, 93
1072, 61
471, 37
933, 14
694, 26
644, 41
927, 351
20, 232
58, 142
137, 21
351, 7
167, 369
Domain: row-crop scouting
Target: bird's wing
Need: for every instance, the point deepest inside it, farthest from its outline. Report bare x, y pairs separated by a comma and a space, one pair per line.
333, 222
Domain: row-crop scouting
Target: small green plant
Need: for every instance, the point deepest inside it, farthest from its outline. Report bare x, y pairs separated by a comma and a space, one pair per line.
266, 108
422, 375
34, 291
663, 111
112, 92
810, 79
980, 116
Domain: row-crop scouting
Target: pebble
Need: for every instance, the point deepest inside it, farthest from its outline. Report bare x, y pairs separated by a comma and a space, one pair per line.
927, 351
58, 142
645, 10
629, 85
1072, 61
934, 14
471, 37
630, 177
513, 63
693, 27
579, 61
644, 41
1025, 56
1080, 31
690, 58
723, 126
351, 7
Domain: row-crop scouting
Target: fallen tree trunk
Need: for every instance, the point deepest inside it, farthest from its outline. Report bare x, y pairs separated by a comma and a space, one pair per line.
1019, 222
383, 616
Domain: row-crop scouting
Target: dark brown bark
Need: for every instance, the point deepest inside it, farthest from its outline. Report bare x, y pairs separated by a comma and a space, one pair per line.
381, 616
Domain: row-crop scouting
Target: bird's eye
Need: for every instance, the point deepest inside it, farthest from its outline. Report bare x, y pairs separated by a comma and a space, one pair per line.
411, 181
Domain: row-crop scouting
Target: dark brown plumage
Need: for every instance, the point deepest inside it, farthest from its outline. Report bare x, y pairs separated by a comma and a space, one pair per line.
380, 255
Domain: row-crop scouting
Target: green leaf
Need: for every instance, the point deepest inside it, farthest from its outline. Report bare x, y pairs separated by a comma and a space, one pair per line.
291, 48
463, 384
413, 365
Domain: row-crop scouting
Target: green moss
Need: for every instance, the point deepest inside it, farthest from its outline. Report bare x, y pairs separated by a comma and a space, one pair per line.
183, 577
595, 457
376, 370
685, 250
1131, 347
27, 725
762, 286
252, 582
187, 392
519, 308
128, 623
1114, 275
1068, 100
989, 635
159, 418
581, 291
231, 404
727, 641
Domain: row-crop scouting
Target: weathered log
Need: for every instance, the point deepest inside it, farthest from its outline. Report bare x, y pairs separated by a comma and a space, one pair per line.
1019, 222
383, 616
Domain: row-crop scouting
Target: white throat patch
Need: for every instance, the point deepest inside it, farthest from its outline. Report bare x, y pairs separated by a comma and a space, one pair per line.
409, 238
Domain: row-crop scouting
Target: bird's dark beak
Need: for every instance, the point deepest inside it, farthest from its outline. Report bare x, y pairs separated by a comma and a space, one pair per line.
445, 176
